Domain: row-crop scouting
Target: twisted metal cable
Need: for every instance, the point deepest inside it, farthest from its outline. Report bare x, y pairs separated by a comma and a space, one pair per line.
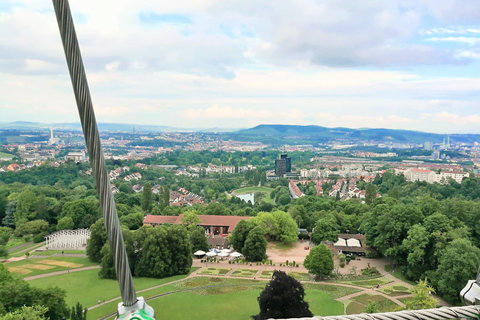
92, 140
426, 314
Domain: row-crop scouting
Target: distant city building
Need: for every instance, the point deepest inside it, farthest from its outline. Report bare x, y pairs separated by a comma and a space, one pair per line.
283, 165
428, 145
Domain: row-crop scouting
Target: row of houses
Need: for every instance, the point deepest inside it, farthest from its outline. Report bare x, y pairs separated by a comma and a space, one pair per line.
429, 176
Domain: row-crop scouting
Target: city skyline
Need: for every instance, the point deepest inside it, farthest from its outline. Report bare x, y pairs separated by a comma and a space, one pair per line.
192, 64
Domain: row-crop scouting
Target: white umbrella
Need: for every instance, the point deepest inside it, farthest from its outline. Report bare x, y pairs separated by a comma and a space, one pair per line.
211, 254
199, 253
226, 250
213, 250
236, 254
223, 254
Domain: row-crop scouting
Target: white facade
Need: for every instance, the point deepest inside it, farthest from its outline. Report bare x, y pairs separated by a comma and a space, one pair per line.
68, 239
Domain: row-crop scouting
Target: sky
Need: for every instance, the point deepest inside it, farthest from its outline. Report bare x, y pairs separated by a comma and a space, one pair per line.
412, 64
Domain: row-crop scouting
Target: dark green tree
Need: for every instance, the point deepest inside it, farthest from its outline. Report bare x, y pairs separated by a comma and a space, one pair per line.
147, 198
78, 313
282, 298
240, 233
255, 245
198, 239
98, 237
326, 228
370, 193
319, 261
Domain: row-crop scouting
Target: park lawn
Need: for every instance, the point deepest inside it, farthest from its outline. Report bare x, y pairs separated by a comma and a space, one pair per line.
32, 267
300, 276
248, 273
266, 274
321, 304
215, 271
395, 290
52, 252
109, 307
6, 155
333, 291
368, 283
238, 299
266, 192
359, 303
22, 251
87, 288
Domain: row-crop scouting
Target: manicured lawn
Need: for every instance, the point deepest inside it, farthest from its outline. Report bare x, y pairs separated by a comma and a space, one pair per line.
321, 304
6, 155
300, 276
266, 274
369, 282
266, 192
52, 252
32, 267
22, 251
215, 271
247, 273
395, 290
87, 288
333, 291
359, 303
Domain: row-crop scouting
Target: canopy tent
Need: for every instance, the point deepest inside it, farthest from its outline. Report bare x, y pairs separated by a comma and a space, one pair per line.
223, 254
226, 250
199, 253
236, 254
211, 254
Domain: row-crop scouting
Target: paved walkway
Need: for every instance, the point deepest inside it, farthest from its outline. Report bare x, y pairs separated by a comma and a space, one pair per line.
51, 274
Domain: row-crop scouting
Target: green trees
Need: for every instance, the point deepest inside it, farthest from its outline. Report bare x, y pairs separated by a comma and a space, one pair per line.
84, 212
198, 239
147, 198
370, 193
278, 224
282, 298
190, 219
326, 228
240, 233
15, 293
65, 223
98, 237
457, 265
32, 228
255, 245
422, 297
319, 261
78, 313
26, 207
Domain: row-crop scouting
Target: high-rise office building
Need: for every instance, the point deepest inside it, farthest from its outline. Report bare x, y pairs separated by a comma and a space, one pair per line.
283, 165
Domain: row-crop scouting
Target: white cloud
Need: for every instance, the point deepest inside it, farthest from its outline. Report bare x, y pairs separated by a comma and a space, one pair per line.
218, 112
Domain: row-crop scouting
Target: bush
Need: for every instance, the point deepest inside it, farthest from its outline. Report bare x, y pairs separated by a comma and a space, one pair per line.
370, 271
38, 238
304, 236
371, 255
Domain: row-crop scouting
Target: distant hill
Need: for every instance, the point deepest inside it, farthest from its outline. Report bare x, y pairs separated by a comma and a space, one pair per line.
318, 133
112, 127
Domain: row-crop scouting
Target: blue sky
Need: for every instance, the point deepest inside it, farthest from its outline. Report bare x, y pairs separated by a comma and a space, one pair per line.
379, 64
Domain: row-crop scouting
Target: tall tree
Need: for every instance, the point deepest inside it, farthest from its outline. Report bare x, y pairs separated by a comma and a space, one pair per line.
98, 237
255, 245
26, 207
319, 261
147, 198
457, 265
326, 228
370, 193
421, 297
282, 298
78, 313
190, 219
9, 219
198, 239
240, 233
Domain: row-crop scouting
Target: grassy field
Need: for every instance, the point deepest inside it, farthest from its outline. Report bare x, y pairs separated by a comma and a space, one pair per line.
215, 271
358, 304
87, 288
395, 290
236, 302
52, 252
300, 276
369, 282
32, 267
21, 252
247, 273
264, 190
6, 155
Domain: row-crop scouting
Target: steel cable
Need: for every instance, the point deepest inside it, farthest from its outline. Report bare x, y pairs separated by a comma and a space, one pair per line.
92, 140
